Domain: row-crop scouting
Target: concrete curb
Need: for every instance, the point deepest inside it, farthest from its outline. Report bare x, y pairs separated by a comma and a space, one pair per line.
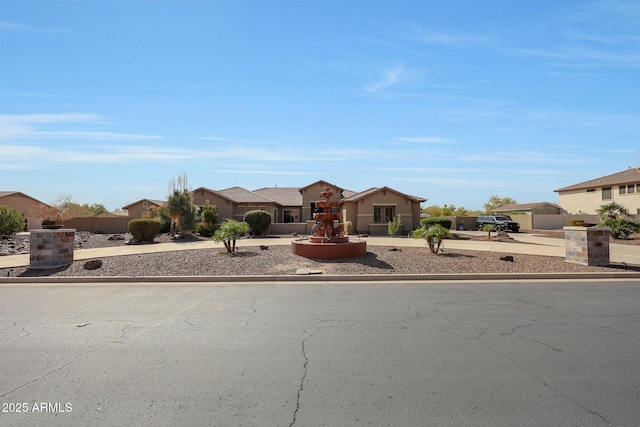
316, 278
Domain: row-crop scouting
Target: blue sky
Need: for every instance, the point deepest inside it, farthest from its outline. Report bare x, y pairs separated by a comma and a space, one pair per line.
452, 101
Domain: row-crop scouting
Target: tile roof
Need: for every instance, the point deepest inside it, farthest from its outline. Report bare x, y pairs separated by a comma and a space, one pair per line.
285, 196
154, 201
18, 193
524, 206
242, 195
365, 193
630, 176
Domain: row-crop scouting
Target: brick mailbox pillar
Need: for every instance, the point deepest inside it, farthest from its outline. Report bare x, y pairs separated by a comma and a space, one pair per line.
587, 245
51, 248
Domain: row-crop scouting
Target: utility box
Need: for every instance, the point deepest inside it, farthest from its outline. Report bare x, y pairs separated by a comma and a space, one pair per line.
587, 245
51, 248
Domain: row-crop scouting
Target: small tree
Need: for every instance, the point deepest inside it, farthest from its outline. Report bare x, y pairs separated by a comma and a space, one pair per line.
208, 220
394, 226
11, 221
61, 209
230, 230
611, 211
180, 205
162, 215
434, 235
258, 220
488, 228
497, 202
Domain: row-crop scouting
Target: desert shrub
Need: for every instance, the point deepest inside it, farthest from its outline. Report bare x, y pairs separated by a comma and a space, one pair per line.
348, 227
11, 221
395, 225
162, 215
258, 220
433, 220
622, 228
209, 213
144, 229
206, 229
208, 220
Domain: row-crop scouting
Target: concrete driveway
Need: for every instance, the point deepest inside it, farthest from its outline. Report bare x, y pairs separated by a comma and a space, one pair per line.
293, 354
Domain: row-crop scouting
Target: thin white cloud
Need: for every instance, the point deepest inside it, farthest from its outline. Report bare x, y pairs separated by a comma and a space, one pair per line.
391, 76
31, 127
13, 27
416, 32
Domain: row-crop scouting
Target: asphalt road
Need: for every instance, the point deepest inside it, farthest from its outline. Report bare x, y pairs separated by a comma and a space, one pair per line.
379, 354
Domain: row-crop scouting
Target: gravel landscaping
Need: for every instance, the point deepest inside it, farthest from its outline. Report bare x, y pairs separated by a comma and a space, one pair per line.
278, 260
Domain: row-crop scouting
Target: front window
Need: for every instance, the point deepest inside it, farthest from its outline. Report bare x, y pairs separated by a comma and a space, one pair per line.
383, 213
606, 193
631, 188
623, 189
291, 215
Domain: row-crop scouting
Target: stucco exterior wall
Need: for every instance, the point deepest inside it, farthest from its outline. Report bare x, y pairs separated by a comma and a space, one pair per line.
20, 203
364, 212
312, 194
581, 201
225, 207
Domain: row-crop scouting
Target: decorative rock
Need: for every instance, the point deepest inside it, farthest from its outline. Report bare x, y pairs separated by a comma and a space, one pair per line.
507, 258
93, 264
263, 247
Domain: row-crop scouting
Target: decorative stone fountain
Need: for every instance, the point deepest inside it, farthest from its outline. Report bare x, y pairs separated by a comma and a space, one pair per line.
328, 240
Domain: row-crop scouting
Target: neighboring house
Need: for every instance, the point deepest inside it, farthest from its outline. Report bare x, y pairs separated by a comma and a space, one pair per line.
369, 211
531, 208
140, 209
24, 204
586, 197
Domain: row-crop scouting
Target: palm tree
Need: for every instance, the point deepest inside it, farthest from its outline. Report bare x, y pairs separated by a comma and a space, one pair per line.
179, 205
433, 235
230, 230
611, 211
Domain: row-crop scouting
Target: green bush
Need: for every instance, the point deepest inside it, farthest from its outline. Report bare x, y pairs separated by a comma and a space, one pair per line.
206, 229
622, 228
11, 221
258, 220
162, 215
433, 220
144, 229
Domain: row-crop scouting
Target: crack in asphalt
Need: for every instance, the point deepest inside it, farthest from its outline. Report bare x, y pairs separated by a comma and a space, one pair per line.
304, 374
533, 322
252, 307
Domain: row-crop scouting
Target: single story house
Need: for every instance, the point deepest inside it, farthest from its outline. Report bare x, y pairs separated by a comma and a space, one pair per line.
531, 208
586, 197
140, 209
369, 211
26, 205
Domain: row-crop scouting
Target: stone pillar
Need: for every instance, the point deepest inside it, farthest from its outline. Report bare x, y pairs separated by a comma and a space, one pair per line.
587, 245
51, 248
